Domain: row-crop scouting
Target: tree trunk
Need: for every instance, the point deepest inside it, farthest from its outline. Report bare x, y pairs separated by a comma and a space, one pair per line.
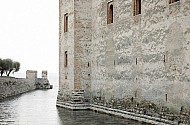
9, 72
1, 72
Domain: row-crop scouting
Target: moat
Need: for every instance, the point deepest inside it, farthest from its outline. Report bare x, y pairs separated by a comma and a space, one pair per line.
38, 108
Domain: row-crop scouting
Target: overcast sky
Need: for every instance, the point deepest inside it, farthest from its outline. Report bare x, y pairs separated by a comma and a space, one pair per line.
29, 33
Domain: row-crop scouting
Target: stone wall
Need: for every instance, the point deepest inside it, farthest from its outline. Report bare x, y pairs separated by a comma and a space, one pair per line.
82, 47
10, 86
66, 43
77, 41
43, 83
138, 63
142, 60
145, 56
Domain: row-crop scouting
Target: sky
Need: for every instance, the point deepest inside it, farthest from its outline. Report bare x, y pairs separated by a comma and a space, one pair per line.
29, 33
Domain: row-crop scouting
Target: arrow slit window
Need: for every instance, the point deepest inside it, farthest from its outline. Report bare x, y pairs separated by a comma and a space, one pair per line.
66, 22
66, 59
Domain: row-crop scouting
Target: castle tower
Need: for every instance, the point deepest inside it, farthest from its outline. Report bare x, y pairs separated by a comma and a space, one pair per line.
74, 49
122, 53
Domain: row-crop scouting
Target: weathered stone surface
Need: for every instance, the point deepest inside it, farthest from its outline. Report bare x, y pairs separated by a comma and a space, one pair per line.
10, 86
142, 60
43, 83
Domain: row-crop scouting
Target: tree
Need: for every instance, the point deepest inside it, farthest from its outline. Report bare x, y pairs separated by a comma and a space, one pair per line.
16, 66
8, 65
1, 66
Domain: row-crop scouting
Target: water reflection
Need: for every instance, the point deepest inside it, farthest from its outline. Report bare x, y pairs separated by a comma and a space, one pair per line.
92, 118
38, 108
33, 108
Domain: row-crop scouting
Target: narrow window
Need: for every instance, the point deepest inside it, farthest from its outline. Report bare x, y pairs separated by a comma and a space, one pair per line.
110, 12
66, 22
88, 64
164, 58
166, 97
66, 60
172, 1
137, 7
132, 99
136, 61
182, 109
135, 93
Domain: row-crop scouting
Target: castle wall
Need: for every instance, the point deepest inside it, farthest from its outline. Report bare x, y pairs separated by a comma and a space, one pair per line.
137, 64
10, 86
82, 47
143, 57
66, 43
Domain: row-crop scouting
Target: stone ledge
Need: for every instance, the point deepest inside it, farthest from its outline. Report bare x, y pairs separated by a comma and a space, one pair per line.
116, 112
130, 115
71, 106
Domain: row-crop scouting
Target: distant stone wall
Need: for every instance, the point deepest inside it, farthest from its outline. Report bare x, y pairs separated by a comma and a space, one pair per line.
43, 83
10, 86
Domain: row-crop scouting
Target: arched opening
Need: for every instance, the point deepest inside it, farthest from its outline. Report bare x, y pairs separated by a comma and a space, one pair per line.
110, 13
137, 7
66, 22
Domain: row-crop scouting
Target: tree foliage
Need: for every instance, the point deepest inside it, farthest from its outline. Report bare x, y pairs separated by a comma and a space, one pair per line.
8, 65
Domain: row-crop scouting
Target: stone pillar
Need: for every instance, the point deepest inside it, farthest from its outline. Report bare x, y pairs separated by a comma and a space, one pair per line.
31, 75
44, 74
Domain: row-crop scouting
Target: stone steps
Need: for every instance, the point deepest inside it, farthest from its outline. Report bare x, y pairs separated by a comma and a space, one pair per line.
77, 97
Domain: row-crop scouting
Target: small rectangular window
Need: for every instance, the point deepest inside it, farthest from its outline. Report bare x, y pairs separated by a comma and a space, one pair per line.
137, 7
109, 12
66, 60
172, 1
66, 22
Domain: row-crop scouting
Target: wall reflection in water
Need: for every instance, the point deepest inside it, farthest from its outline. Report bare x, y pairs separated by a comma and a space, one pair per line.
68, 117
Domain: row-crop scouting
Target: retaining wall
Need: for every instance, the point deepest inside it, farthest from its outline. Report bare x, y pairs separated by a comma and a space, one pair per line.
10, 86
